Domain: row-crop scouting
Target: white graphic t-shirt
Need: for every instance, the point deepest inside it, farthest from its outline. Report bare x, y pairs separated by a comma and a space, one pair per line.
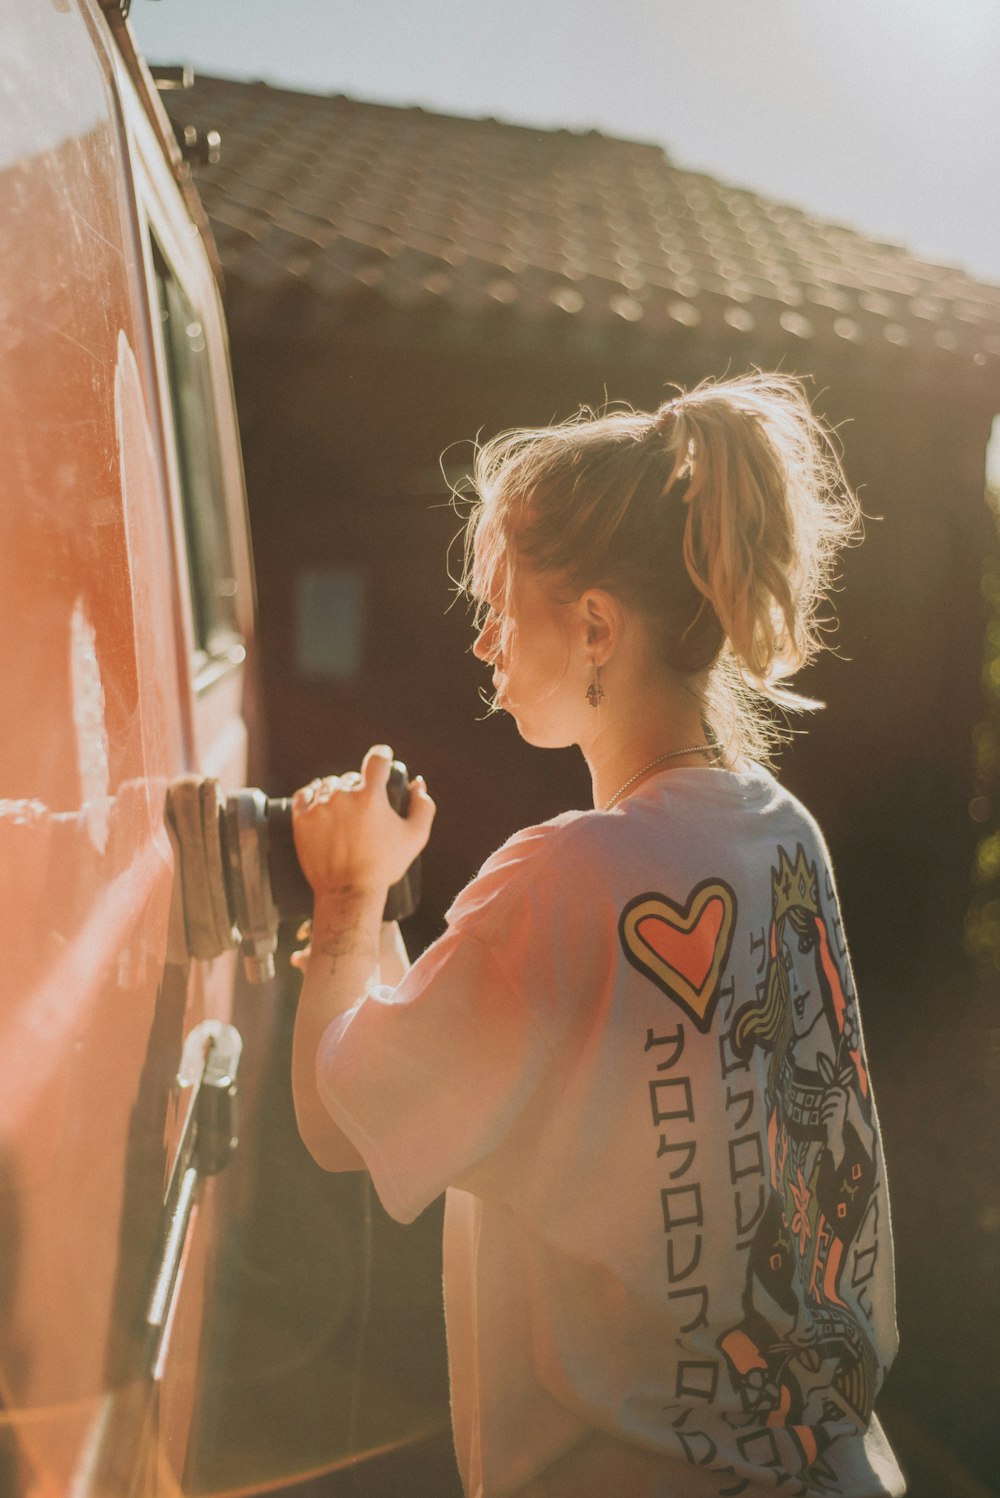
635, 1058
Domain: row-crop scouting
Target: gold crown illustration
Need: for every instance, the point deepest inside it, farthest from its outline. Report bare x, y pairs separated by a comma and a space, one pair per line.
794, 884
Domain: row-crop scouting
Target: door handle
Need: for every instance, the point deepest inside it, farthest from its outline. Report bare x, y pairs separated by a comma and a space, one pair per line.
210, 1066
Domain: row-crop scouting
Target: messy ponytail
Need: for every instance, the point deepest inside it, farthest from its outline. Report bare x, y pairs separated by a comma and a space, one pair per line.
767, 512
718, 518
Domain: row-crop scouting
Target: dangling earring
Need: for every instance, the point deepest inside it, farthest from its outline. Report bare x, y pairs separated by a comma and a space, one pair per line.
595, 692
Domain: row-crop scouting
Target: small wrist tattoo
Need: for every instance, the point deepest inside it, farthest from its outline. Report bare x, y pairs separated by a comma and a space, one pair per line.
343, 941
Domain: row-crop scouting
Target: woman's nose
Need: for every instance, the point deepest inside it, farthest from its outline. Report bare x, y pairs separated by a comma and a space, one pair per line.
484, 648
792, 972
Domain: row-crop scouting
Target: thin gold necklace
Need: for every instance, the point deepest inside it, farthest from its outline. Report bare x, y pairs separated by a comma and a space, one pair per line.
659, 760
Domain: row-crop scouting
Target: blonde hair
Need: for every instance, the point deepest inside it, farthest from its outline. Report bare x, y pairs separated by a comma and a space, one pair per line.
718, 518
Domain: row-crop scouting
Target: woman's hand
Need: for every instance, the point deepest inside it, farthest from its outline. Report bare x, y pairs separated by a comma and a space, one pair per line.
352, 846
300, 957
348, 837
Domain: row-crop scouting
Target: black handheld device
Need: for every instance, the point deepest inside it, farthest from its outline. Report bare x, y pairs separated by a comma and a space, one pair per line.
289, 887
240, 874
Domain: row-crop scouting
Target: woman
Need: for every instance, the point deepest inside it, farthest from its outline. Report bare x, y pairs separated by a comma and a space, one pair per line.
634, 1057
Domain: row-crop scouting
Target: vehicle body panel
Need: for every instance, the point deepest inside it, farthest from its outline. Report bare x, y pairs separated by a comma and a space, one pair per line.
106, 695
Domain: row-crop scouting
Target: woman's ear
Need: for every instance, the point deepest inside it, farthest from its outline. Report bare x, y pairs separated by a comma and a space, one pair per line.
601, 620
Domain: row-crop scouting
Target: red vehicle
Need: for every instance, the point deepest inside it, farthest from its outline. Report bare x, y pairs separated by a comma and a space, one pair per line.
127, 619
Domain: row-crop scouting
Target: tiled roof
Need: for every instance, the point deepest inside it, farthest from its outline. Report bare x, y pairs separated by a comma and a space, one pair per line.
400, 210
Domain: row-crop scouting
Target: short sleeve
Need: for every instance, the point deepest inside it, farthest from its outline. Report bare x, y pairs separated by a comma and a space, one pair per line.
428, 1078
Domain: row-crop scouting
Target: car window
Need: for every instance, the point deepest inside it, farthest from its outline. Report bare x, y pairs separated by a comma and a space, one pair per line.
213, 580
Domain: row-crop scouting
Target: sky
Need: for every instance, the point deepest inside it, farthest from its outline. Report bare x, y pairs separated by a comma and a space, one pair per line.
880, 114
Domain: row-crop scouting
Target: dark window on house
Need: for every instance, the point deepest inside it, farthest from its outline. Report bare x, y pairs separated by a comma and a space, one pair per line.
329, 619
213, 583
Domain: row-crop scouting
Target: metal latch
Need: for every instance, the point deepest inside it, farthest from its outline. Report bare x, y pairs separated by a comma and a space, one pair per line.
209, 1064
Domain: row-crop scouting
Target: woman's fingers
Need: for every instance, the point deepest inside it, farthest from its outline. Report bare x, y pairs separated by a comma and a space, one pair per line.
346, 832
422, 809
376, 767
321, 790
316, 791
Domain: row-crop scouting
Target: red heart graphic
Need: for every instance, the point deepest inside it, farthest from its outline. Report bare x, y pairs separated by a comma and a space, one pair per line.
689, 953
683, 948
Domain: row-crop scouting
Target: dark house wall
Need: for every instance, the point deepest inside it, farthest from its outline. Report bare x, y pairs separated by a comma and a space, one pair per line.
401, 282
343, 446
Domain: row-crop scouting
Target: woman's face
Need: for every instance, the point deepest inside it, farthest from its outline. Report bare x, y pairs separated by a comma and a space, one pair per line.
804, 992
537, 651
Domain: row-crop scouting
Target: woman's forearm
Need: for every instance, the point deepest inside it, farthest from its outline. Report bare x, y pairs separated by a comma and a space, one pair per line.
394, 961
344, 959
